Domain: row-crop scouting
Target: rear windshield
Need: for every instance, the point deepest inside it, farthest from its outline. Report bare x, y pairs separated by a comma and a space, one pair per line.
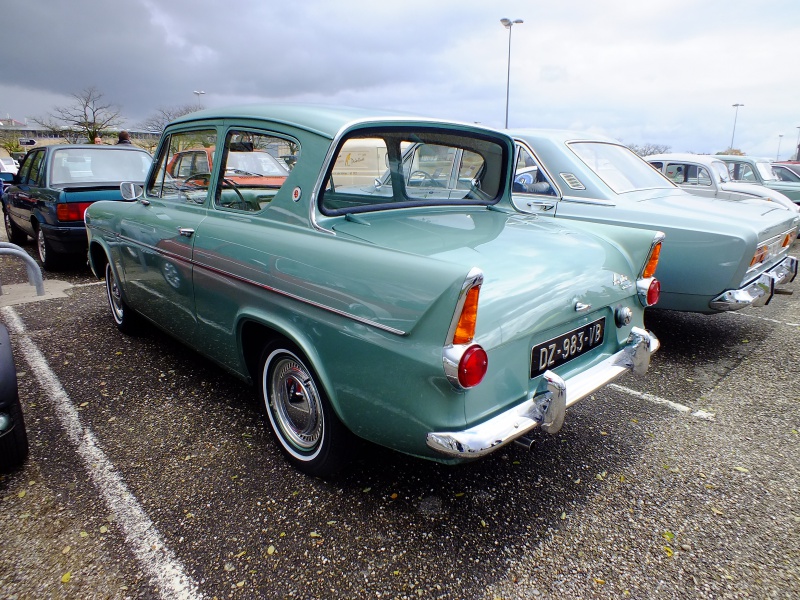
94, 165
391, 168
620, 168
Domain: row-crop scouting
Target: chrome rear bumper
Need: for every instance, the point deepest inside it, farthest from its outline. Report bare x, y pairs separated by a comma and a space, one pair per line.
547, 405
760, 291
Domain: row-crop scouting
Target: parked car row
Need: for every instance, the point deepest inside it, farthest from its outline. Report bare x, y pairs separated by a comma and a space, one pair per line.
435, 287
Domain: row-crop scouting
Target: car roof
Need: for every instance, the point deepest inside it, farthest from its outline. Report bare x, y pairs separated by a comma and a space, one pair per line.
750, 159
320, 119
703, 159
561, 135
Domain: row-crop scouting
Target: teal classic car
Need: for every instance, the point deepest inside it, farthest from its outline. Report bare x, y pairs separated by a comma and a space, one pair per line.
718, 255
750, 169
418, 310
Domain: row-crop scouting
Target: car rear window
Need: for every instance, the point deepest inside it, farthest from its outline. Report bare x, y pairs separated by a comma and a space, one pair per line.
398, 167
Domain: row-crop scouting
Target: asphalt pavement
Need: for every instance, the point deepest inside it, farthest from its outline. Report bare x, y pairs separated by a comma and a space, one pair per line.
152, 475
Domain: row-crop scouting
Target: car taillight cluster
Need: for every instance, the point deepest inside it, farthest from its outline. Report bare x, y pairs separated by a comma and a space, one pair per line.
71, 211
474, 361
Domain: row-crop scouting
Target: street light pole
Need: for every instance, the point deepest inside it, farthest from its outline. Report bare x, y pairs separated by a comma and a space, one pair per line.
797, 146
778, 156
198, 94
508, 23
736, 114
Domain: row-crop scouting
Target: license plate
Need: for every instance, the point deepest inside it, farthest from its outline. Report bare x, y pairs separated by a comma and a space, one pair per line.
565, 347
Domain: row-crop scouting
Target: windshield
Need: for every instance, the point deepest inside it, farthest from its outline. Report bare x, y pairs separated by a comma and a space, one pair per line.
94, 165
765, 168
255, 163
619, 167
721, 169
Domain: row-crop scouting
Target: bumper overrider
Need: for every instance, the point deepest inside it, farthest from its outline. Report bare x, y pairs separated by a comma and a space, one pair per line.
760, 291
546, 406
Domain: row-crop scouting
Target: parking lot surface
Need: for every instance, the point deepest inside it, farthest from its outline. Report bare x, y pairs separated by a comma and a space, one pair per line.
152, 474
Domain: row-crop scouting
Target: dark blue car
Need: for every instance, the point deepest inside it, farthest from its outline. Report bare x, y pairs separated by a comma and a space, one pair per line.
54, 187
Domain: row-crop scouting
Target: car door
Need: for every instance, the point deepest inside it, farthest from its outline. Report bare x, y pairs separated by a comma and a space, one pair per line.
533, 188
22, 199
157, 238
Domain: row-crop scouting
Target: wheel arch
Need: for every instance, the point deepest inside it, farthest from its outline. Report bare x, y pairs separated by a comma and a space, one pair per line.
255, 334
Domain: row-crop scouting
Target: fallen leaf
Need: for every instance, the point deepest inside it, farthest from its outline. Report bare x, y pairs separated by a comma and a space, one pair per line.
241, 554
599, 581
21, 493
716, 511
741, 469
83, 534
668, 535
83, 404
271, 550
103, 529
367, 490
66, 550
668, 551
66, 577
563, 516
314, 534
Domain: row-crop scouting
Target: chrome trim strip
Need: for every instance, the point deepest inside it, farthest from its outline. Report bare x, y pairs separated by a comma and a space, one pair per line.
543, 407
267, 288
759, 291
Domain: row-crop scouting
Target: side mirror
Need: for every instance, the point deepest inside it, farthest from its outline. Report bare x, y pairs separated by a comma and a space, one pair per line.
130, 190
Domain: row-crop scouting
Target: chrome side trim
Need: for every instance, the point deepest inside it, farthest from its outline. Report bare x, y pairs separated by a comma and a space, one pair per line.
759, 291
265, 287
546, 405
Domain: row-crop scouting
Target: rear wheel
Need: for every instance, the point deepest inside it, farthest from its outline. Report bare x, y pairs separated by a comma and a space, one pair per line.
15, 234
311, 435
50, 260
124, 317
13, 442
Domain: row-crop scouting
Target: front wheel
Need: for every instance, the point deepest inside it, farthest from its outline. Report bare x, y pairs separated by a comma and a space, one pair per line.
124, 317
311, 435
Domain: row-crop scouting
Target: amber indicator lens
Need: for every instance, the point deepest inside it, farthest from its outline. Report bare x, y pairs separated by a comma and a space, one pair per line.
652, 262
465, 330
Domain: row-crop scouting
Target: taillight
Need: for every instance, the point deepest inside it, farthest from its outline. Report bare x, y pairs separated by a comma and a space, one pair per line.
472, 366
465, 329
653, 292
649, 291
652, 261
71, 211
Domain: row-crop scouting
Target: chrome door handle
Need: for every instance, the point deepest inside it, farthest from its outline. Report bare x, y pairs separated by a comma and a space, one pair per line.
186, 232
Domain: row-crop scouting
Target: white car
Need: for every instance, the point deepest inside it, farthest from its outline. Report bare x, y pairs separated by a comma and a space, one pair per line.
8, 165
706, 175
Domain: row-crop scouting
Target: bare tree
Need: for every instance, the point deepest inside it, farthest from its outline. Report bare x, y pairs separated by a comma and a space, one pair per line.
648, 148
157, 122
86, 118
9, 141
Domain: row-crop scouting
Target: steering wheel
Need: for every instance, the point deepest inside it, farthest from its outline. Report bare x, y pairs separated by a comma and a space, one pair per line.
425, 178
189, 181
242, 203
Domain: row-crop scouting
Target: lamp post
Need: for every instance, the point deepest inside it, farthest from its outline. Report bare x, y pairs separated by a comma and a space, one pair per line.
778, 156
508, 23
797, 146
736, 114
198, 94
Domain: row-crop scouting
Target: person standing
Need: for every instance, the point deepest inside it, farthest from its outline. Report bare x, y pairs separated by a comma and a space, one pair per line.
124, 137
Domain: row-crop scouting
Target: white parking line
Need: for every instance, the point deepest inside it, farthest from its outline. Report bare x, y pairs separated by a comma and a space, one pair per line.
700, 414
165, 571
741, 314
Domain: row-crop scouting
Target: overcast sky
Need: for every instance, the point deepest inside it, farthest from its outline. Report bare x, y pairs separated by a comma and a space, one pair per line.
641, 72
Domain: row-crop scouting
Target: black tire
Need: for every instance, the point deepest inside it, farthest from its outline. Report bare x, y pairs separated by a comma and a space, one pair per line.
13, 436
14, 442
310, 434
50, 260
124, 318
14, 234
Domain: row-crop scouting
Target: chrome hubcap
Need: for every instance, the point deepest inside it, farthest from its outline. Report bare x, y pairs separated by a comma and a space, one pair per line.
295, 404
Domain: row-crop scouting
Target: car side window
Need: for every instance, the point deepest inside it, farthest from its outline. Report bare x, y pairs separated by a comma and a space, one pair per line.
34, 175
684, 174
254, 167
529, 178
179, 177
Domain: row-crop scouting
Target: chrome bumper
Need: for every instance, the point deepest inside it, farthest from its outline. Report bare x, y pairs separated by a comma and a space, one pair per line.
546, 406
760, 291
